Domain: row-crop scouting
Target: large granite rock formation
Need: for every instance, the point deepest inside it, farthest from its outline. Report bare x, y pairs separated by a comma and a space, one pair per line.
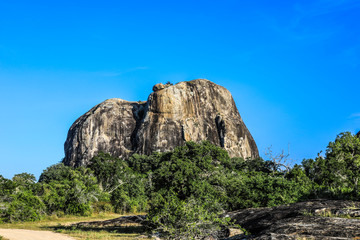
188, 111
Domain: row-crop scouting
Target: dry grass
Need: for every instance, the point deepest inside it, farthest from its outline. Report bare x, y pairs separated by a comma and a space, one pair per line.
63, 225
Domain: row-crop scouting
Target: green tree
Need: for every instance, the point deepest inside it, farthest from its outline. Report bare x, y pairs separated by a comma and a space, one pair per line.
110, 171
337, 174
68, 190
125, 186
343, 158
24, 179
7, 187
186, 202
131, 195
191, 218
19, 200
24, 206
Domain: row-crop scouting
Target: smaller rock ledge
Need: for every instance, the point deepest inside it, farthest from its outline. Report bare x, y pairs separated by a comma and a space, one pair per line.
318, 219
158, 87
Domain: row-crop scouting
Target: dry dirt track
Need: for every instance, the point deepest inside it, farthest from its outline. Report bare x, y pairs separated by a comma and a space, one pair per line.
22, 234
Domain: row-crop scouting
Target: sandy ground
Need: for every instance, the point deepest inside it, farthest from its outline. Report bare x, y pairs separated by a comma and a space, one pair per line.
22, 234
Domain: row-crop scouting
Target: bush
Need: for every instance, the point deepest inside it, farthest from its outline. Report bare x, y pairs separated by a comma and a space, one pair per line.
24, 206
102, 207
69, 190
186, 190
186, 219
110, 171
7, 187
186, 202
337, 175
131, 195
125, 187
257, 189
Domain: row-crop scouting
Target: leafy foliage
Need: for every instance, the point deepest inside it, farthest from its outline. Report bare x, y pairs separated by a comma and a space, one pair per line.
69, 190
19, 200
186, 219
125, 186
24, 206
110, 171
258, 189
24, 179
186, 200
7, 187
131, 196
185, 191
337, 174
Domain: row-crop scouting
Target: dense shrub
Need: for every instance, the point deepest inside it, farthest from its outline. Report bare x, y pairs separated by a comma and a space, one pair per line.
69, 190
19, 200
7, 187
337, 174
102, 207
125, 186
110, 171
257, 189
130, 196
184, 191
186, 203
24, 206
191, 218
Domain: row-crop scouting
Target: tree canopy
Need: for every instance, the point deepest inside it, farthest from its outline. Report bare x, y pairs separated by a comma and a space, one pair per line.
186, 191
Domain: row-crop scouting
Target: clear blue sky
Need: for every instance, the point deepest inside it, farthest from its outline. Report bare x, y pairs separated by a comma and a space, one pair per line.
293, 67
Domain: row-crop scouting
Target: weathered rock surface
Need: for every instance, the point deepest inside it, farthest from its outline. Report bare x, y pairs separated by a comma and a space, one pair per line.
188, 111
320, 219
107, 127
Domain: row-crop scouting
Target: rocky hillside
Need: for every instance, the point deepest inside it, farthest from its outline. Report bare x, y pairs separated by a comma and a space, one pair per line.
187, 111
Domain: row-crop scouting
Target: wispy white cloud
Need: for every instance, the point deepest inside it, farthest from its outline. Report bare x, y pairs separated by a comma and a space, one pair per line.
297, 27
355, 115
323, 7
296, 32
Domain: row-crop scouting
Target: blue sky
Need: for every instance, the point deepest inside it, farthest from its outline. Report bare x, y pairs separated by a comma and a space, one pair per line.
293, 67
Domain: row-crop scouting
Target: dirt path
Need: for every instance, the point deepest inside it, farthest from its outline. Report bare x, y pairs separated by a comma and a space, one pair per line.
22, 234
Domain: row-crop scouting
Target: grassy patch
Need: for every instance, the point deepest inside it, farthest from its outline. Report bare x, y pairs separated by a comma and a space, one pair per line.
63, 225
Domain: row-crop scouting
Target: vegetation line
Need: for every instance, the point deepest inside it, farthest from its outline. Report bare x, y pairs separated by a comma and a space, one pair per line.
185, 192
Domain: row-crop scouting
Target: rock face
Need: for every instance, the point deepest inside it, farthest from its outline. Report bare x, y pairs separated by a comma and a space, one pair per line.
188, 111
318, 219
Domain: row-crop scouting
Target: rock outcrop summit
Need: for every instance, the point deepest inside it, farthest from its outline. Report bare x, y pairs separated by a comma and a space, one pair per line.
187, 111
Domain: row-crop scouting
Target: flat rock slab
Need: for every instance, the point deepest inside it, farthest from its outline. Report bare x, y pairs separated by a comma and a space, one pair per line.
23, 234
316, 219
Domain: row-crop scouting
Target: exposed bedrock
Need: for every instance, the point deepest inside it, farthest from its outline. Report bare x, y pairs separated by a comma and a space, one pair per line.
187, 111
316, 219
